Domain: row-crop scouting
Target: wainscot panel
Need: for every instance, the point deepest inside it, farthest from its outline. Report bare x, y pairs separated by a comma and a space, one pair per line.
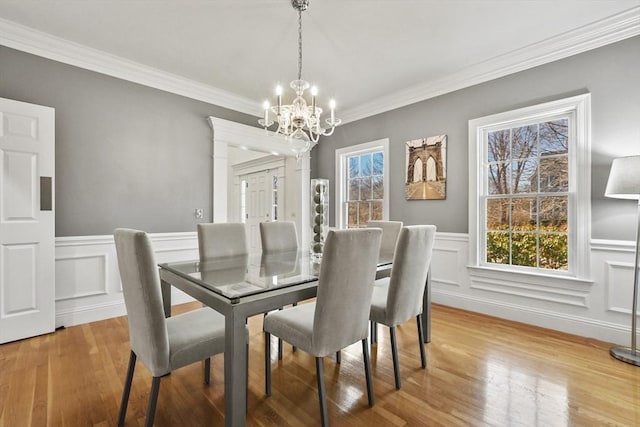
599, 307
88, 284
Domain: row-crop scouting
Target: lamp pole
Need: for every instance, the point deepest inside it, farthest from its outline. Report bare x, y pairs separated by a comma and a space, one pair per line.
631, 355
624, 183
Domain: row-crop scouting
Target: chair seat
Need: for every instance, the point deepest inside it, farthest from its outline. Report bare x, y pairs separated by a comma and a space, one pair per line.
378, 311
296, 324
194, 336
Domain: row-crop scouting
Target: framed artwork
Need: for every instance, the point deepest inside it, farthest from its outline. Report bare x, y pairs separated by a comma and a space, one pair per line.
426, 172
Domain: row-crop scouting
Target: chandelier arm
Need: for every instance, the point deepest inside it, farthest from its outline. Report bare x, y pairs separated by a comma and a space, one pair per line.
314, 136
279, 125
328, 133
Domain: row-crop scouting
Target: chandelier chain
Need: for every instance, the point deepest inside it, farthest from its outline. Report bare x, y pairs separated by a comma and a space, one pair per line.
300, 44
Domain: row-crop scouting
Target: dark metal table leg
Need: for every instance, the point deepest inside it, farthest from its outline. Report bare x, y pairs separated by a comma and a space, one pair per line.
166, 298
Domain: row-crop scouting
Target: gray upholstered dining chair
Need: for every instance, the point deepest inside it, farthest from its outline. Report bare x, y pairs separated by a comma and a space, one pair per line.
163, 344
398, 298
390, 232
338, 317
278, 236
222, 239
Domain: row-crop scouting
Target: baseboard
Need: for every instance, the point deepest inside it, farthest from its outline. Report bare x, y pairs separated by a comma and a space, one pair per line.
102, 311
571, 324
89, 313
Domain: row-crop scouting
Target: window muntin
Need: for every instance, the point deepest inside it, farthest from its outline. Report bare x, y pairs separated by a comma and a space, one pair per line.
365, 185
527, 194
362, 183
574, 188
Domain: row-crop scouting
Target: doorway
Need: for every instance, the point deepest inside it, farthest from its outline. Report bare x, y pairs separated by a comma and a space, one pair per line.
259, 194
228, 135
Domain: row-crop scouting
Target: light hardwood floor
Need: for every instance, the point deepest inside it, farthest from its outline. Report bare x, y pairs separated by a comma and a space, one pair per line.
480, 371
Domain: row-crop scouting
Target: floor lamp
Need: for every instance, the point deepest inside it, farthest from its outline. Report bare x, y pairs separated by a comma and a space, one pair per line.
624, 183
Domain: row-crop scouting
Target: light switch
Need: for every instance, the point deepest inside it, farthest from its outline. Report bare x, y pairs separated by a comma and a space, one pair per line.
199, 213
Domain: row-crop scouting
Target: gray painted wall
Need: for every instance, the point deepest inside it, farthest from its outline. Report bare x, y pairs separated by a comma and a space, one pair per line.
609, 73
126, 155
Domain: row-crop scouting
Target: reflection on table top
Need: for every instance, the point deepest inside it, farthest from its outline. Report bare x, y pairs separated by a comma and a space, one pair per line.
238, 276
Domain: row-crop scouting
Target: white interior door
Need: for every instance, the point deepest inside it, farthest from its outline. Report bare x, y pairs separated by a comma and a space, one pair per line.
258, 206
27, 278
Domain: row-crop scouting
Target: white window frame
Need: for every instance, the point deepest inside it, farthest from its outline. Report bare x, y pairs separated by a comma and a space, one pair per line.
341, 176
579, 107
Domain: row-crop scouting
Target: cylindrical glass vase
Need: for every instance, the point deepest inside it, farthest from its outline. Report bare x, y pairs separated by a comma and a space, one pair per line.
319, 215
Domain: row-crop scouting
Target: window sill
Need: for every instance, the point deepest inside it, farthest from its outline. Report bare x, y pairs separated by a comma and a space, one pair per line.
525, 277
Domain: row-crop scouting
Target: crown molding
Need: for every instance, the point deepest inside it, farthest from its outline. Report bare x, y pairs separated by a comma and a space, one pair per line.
42, 44
606, 31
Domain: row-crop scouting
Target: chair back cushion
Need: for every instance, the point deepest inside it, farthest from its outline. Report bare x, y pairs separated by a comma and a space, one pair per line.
345, 287
222, 239
390, 232
143, 299
409, 272
278, 236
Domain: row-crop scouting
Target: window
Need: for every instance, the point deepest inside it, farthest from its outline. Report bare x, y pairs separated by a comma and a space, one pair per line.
362, 182
530, 189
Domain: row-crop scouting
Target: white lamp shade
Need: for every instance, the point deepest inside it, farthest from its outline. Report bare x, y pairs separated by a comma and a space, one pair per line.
624, 178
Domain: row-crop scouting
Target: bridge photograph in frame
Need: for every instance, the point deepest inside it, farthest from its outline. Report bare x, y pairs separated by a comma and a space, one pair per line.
426, 171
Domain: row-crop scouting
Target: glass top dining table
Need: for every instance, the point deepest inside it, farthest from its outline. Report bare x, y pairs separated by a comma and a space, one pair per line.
235, 277
242, 286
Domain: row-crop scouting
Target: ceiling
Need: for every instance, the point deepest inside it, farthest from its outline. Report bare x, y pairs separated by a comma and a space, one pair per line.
371, 56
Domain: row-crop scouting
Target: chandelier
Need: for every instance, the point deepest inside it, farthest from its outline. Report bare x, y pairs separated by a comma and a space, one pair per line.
299, 122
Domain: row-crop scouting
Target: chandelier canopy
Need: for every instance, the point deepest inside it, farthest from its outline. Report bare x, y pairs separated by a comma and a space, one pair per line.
299, 122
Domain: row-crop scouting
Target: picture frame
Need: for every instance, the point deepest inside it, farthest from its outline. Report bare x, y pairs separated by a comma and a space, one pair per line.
426, 168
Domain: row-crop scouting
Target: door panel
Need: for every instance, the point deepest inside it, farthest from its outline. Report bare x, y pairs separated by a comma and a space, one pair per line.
19, 190
18, 279
257, 207
27, 277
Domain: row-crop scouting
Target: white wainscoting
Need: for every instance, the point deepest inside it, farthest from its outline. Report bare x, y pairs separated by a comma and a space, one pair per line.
88, 285
597, 308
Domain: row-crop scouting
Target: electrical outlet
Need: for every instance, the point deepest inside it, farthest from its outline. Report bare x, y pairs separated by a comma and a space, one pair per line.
199, 213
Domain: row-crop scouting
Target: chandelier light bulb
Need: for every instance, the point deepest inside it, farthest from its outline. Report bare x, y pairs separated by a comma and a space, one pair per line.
265, 105
332, 106
278, 90
314, 92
